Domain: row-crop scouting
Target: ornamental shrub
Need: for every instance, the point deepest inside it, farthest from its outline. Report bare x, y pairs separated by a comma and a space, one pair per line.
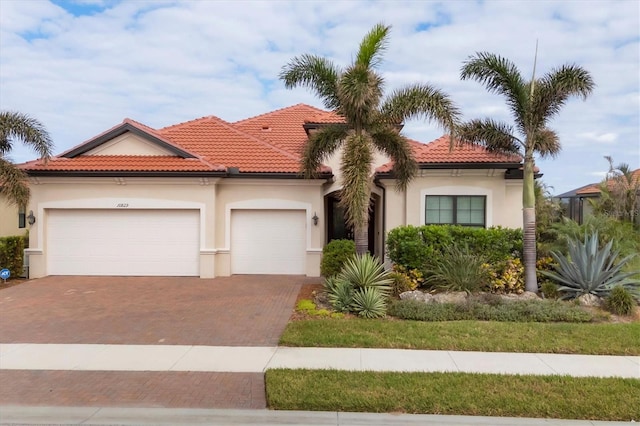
620, 301
334, 256
12, 254
412, 246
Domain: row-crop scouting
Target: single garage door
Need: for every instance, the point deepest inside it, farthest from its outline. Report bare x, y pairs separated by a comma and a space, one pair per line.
268, 242
123, 242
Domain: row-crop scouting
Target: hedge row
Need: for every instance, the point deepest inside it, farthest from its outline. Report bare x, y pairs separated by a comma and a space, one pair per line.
12, 254
410, 246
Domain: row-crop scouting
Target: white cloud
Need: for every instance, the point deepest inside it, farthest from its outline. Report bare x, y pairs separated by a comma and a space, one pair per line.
162, 62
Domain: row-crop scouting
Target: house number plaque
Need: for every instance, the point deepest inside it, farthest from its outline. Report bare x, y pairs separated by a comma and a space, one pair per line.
122, 205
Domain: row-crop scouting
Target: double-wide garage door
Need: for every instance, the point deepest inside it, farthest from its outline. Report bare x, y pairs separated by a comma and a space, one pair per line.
123, 242
268, 242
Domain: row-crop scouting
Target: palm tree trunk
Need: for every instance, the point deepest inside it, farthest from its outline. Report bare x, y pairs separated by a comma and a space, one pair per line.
529, 224
361, 237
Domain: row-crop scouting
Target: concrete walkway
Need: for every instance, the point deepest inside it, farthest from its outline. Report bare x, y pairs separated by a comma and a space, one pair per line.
258, 359
162, 416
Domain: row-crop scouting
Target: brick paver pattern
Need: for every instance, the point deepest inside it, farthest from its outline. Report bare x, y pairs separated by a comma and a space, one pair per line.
233, 311
240, 310
132, 389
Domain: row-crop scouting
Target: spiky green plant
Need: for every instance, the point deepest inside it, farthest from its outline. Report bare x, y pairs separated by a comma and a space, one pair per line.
339, 293
589, 269
458, 269
366, 271
369, 302
371, 121
620, 301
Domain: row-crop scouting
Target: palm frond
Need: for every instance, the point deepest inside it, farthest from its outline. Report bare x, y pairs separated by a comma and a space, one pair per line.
16, 125
360, 91
398, 148
422, 101
13, 183
501, 76
556, 87
356, 177
316, 73
321, 144
495, 136
373, 46
546, 143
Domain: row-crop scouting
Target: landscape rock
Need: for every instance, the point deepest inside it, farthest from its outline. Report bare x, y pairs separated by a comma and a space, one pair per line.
527, 295
456, 297
417, 295
589, 300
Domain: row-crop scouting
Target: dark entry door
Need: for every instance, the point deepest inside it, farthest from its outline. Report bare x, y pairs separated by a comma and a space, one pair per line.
337, 228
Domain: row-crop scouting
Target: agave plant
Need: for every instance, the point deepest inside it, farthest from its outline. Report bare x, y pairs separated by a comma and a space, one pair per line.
366, 271
591, 270
369, 302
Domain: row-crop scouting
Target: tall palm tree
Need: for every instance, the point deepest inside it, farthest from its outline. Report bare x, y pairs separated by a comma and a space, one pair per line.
28, 130
371, 121
533, 103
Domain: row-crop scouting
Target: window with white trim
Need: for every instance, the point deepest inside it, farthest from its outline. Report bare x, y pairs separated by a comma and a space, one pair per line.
465, 210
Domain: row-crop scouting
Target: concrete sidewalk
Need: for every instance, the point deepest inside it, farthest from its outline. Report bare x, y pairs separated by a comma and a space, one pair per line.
16, 415
259, 359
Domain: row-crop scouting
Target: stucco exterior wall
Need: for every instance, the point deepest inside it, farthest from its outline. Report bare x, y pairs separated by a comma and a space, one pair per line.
215, 199
128, 144
504, 197
109, 193
9, 219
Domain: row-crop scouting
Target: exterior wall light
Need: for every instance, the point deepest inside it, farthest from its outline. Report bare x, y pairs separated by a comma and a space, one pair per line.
31, 219
315, 219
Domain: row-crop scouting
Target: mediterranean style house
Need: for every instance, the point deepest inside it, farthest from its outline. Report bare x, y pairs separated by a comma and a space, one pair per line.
212, 198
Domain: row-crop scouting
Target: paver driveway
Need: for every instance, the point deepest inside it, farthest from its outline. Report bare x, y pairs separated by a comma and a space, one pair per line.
232, 311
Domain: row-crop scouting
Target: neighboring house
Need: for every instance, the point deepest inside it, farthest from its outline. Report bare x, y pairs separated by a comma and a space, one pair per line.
577, 202
211, 198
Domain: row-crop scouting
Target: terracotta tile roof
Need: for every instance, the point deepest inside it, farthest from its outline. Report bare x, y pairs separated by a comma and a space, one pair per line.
267, 143
438, 152
222, 143
128, 163
284, 127
594, 188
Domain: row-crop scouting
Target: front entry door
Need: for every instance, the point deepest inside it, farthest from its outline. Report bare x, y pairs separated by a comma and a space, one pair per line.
337, 229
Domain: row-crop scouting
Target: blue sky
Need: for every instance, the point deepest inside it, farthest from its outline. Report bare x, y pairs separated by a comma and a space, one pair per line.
82, 66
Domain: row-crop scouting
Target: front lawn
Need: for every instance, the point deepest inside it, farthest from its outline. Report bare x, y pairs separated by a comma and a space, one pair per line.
455, 393
567, 338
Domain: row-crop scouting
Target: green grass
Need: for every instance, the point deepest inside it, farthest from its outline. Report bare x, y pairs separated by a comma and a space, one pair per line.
455, 393
568, 338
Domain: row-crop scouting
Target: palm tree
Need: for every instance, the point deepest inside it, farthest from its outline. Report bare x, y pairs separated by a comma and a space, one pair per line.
533, 104
371, 121
18, 126
619, 193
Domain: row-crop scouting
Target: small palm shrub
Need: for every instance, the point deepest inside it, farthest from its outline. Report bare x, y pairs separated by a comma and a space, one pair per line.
549, 290
339, 294
457, 270
620, 301
362, 287
591, 270
369, 302
334, 255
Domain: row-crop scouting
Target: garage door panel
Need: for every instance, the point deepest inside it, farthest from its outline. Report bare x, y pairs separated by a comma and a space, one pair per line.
268, 242
123, 242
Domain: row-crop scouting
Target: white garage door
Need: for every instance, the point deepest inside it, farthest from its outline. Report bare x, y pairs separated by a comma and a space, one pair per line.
123, 242
268, 242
